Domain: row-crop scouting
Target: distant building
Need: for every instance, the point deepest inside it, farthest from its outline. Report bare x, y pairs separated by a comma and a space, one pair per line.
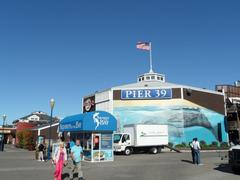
232, 98
38, 122
38, 118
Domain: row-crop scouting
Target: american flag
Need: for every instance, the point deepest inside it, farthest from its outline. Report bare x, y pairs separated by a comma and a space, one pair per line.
144, 46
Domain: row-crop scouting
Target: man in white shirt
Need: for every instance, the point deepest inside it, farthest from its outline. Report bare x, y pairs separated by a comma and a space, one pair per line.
196, 149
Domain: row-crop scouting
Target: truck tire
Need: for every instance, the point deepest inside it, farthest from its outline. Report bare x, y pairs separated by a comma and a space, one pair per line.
154, 150
235, 170
127, 151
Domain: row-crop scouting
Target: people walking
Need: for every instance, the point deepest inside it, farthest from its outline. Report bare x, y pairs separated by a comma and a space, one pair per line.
77, 155
60, 158
192, 151
196, 148
40, 152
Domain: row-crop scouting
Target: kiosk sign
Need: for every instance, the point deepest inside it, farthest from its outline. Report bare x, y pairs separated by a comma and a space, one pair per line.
77, 125
99, 120
146, 94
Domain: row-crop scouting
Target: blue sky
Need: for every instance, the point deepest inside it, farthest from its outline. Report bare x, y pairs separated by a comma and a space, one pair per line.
68, 49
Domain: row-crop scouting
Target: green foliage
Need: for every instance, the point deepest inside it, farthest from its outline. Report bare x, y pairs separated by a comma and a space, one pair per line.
26, 139
224, 145
170, 144
183, 145
179, 146
203, 144
20, 139
214, 144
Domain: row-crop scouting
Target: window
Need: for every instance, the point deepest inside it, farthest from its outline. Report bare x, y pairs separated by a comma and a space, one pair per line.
152, 77
117, 138
125, 138
148, 77
139, 79
142, 78
158, 78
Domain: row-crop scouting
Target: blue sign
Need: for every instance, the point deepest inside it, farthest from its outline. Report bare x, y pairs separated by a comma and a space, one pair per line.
146, 94
106, 141
92, 121
71, 126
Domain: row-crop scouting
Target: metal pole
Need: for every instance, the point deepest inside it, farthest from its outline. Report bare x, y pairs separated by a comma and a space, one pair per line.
50, 136
150, 53
4, 118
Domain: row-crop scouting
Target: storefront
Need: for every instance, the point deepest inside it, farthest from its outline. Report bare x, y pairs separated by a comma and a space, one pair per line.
95, 131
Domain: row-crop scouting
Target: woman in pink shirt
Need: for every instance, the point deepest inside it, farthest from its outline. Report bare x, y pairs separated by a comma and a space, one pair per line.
59, 160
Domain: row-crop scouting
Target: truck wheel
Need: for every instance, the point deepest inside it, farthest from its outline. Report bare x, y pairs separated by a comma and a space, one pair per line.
235, 170
127, 151
154, 150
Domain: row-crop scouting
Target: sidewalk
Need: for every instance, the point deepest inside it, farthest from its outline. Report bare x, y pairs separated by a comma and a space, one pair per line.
12, 148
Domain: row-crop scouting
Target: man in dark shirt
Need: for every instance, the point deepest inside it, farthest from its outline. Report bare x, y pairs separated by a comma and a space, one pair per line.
40, 150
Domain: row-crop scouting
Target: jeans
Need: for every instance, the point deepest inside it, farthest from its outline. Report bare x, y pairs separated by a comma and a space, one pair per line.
193, 155
40, 155
197, 156
76, 168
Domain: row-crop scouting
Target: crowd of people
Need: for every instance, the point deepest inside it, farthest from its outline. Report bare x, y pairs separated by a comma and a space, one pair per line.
71, 155
65, 155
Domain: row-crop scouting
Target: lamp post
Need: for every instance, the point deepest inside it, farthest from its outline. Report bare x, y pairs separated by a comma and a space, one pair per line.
4, 119
52, 103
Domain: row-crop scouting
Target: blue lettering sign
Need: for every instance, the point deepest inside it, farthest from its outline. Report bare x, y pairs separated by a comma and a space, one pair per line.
146, 94
77, 125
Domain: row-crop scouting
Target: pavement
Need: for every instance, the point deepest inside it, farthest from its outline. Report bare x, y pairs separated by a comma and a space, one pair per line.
18, 164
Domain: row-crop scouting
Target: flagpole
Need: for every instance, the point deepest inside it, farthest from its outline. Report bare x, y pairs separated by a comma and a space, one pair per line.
150, 53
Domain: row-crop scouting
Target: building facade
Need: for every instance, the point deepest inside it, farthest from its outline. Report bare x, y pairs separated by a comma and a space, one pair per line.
188, 111
232, 98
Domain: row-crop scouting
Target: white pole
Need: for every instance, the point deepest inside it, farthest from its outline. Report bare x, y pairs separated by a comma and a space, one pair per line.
151, 70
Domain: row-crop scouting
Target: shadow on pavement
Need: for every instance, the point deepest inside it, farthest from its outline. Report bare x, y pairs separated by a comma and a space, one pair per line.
65, 175
226, 168
187, 161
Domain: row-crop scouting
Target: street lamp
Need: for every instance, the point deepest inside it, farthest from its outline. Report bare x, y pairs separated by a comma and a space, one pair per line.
4, 119
52, 103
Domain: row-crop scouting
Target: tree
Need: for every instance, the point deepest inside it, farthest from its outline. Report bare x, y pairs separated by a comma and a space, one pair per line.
26, 139
20, 139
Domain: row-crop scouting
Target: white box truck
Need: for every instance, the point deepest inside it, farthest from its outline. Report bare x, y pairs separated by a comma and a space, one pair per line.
141, 137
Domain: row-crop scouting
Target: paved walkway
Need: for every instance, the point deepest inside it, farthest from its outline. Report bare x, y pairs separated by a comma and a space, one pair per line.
16, 164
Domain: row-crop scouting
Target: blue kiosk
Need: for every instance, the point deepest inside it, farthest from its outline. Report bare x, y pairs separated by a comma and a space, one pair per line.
95, 131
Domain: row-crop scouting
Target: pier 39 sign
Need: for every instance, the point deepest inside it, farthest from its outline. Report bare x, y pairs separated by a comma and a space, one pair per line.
146, 94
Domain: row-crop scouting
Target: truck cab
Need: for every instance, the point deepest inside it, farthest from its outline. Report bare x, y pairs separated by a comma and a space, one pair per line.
122, 143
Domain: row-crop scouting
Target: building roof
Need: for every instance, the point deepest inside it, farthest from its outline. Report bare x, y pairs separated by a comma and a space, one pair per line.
42, 117
45, 126
157, 84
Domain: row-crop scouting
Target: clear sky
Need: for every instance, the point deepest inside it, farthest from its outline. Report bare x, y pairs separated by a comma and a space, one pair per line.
71, 48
